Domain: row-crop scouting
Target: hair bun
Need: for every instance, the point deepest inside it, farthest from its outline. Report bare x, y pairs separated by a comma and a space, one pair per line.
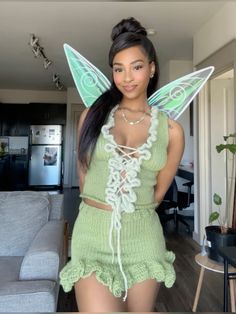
128, 25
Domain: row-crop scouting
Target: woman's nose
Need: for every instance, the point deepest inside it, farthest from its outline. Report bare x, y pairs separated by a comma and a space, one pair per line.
128, 77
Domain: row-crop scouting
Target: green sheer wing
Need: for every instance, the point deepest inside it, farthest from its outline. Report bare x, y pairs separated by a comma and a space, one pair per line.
89, 80
175, 97
172, 98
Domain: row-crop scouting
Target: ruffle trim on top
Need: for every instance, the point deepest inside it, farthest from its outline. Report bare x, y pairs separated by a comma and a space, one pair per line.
162, 272
119, 191
123, 176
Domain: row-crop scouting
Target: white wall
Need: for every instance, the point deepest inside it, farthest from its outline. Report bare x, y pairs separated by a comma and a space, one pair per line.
217, 32
164, 74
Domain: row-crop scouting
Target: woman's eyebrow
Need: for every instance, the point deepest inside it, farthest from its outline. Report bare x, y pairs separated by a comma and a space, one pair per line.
119, 63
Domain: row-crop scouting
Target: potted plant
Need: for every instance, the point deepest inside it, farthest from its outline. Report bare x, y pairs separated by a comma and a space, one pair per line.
222, 234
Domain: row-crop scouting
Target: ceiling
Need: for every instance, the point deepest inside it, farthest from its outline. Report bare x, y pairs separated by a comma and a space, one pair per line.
86, 26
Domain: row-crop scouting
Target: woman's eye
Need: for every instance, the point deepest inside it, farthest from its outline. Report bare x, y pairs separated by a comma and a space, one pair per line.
117, 70
138, 67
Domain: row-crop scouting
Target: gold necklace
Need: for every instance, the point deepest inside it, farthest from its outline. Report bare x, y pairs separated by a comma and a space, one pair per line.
132, 122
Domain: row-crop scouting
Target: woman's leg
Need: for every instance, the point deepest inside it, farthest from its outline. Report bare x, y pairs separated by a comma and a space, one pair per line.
93, 296
142, 296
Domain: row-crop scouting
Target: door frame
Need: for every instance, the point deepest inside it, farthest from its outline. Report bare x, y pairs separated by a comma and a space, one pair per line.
223, 60
68, 150
74, 108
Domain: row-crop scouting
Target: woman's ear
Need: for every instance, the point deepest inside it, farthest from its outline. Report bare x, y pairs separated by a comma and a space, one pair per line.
152, 69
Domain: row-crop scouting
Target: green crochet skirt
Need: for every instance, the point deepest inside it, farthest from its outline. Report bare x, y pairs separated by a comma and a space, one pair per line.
143, 251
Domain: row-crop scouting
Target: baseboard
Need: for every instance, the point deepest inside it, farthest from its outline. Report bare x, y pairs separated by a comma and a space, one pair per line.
196, 237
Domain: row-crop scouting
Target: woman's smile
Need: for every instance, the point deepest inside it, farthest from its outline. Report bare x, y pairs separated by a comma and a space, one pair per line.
129, 88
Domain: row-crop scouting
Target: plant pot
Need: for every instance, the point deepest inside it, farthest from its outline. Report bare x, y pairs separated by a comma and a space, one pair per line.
216, 240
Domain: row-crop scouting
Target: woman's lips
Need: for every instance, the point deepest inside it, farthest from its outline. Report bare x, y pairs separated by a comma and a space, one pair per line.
129, 88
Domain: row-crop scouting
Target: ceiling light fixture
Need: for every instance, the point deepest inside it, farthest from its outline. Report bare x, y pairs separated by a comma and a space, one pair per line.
59, 86
46, 63
38, 51
33, 40
56, 80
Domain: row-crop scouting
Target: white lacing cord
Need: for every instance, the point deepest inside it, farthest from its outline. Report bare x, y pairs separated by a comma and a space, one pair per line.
116, 215
134, 150
120, 265
115, 222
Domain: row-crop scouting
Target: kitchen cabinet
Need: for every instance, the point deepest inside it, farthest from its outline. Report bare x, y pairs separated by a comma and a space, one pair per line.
13, 172
15, 119
48, 113
4, 172
18, 173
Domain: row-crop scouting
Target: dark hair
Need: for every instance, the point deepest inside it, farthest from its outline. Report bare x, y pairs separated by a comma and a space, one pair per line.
127, 33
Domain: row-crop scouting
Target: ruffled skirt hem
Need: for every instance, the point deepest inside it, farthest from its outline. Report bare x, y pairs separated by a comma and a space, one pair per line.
109, 276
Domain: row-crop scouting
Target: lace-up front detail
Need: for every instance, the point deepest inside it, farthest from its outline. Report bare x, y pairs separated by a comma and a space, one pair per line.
124, 168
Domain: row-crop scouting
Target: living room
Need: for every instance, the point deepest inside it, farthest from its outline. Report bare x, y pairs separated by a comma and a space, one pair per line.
188, 36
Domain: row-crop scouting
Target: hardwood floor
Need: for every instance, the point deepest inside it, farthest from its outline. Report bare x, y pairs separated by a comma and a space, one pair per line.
180, 297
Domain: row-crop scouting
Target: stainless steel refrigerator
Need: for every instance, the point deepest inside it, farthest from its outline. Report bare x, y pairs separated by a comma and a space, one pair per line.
45, 159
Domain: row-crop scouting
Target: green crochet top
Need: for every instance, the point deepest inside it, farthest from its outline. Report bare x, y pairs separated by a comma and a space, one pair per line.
126, 182
103, 178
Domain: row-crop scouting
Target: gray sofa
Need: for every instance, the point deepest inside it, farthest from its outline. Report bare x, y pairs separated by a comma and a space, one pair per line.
31, 250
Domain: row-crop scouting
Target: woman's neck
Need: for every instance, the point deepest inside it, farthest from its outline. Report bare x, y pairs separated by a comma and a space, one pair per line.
135, 105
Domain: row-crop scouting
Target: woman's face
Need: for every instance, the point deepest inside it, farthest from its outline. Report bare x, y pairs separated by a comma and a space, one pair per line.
131, 72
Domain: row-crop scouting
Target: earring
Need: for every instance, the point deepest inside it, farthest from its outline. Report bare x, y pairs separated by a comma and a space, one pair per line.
151, 76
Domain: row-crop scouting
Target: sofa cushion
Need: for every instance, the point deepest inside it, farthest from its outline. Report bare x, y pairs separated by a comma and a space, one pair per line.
39, 296
22, 215
9, 269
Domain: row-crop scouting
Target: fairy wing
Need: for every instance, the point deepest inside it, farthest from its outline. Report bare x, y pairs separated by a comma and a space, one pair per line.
89, 80
174, 97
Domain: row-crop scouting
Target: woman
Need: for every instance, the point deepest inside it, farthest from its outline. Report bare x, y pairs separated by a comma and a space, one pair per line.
128, 156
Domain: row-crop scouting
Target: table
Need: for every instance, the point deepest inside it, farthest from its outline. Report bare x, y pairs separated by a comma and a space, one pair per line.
207, 263
229, 255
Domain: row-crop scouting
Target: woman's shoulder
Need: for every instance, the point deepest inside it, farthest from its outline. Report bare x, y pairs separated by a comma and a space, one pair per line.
172, 124
176, 131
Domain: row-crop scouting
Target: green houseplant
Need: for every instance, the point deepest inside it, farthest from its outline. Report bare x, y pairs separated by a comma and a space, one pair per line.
222, 234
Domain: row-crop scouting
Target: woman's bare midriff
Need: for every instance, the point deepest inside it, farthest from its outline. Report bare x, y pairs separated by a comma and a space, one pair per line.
96, 204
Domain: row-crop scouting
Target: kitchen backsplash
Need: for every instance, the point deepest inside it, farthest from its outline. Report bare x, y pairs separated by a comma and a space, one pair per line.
18, 142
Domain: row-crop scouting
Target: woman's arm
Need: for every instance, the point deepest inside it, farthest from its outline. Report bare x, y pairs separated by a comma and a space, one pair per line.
80, 169
174, 154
